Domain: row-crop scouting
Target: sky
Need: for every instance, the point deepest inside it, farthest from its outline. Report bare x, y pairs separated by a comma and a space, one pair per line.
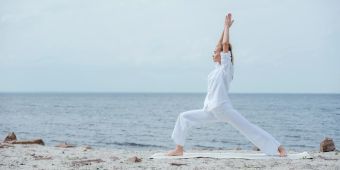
166, 45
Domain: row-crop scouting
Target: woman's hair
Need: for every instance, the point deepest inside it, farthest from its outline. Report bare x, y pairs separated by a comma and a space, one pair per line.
231, 53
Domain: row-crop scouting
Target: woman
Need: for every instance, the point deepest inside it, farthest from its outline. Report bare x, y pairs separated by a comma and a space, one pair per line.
218, 107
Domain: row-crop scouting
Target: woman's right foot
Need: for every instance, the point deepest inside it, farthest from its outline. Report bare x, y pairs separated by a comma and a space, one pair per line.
176, 152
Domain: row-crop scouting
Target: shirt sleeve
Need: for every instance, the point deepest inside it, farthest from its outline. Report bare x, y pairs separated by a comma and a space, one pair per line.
227, 65
225, 58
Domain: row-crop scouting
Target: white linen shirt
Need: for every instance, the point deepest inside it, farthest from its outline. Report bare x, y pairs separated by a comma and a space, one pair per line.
218, 83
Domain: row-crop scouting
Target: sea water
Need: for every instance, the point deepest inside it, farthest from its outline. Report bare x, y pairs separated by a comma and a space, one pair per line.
145, 120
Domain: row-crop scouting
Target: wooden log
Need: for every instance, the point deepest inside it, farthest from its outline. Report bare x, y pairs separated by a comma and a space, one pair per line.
177, 164
34, 141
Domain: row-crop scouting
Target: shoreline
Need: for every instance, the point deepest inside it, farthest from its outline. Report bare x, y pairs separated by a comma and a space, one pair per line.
33, 156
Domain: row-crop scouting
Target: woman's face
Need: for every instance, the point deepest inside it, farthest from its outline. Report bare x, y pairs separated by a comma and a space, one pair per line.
217, 56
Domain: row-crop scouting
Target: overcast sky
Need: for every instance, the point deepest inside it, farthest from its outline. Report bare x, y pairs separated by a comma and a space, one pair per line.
166, 45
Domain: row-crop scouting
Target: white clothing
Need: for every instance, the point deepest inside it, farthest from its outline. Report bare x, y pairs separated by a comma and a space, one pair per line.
226, 113
218, 108
218, 83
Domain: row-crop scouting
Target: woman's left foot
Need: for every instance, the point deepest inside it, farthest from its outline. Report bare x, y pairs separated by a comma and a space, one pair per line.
282, 151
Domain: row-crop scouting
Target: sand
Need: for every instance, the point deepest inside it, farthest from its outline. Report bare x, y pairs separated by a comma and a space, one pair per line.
50, 157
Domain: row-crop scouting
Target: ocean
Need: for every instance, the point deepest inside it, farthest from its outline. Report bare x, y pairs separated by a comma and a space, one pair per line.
141, 121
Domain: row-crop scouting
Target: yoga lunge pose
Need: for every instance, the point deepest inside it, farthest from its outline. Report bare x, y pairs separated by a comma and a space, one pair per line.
218, 107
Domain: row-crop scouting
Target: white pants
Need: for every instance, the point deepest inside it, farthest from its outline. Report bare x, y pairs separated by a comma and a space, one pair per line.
226, 113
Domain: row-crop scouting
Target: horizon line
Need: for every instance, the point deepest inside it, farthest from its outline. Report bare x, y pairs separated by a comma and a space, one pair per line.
156, 92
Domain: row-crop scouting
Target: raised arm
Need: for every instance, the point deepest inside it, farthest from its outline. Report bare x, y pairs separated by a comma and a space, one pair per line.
219, 43
227, 24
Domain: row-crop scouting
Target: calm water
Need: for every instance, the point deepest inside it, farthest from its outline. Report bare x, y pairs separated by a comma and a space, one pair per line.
146, 121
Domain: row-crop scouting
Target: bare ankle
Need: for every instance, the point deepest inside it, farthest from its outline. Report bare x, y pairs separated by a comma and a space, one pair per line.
179, 147
280, 147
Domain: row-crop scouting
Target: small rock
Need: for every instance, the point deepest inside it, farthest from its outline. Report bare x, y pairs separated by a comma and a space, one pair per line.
327, 145
40, 157
87, 147
86, 162
135, 159
10, 137
65, 145
114, 158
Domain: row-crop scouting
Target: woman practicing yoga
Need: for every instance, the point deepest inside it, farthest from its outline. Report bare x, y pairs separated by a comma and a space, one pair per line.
218, 107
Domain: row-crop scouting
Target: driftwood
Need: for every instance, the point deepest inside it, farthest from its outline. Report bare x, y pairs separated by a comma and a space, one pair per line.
34, 141
177, 164
325, 158
11, 138
86, 162
327, 145
65, 145
40, 157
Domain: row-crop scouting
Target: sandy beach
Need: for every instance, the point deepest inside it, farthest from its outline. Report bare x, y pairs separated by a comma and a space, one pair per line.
84, 157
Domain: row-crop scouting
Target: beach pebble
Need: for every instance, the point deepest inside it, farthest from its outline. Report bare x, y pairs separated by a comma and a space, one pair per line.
86, 162
135, 159
87, 147
65, 145
40, 157
114, 158
327, 145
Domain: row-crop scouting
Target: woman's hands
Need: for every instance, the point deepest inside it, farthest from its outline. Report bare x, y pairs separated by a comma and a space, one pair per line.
223, 43
228, 21
227, 24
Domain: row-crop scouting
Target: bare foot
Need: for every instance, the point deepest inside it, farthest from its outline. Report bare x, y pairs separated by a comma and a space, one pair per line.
282, 151
176, 152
